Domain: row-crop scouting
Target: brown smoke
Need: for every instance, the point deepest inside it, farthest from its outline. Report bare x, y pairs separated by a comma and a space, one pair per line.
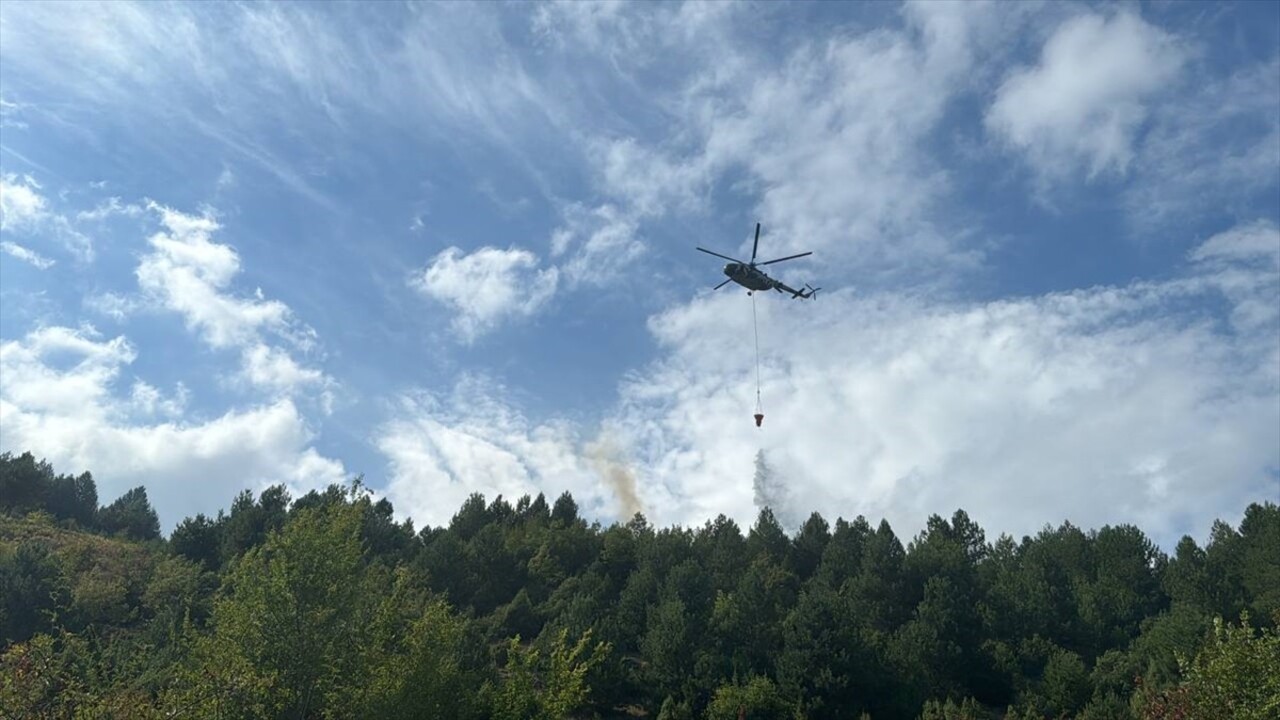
607, 460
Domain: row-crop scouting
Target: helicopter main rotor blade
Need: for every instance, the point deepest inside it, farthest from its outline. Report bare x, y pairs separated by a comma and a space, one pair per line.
726, 282
756, 245
726, 257
789, 257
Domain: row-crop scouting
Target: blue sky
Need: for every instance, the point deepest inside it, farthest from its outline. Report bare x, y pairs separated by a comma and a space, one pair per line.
450, 247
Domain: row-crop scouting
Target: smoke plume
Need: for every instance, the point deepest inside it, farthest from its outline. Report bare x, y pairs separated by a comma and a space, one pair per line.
770, 492
613, 470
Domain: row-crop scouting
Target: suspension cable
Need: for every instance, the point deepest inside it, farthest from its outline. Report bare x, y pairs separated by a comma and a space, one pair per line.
755, 325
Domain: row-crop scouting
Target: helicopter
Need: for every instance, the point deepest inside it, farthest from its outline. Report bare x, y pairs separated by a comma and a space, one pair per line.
749, 276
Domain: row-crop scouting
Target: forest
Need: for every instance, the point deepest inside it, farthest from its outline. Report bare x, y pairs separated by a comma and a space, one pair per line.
326, 606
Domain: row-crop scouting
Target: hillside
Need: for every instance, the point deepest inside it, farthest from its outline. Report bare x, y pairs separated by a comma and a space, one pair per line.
325, 606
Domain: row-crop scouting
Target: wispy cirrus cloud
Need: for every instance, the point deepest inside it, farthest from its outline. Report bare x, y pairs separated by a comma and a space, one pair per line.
116, 306
26, 255
829, 138
236, 74
1216, 146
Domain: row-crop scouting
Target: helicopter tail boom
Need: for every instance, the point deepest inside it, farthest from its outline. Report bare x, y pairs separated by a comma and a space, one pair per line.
801, 294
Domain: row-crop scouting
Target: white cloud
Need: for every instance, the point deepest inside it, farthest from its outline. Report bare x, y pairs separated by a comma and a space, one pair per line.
21, 206
226, 179
9, 114
23, 210
33, 380
189, 273
597, 245
147, 400
112, 305
58, 400
1083, 104
440, 449
1244, 264
274, 370
605, 26
26, 255
1214, 148
109, 207
1256, 241
651, 181
486, 287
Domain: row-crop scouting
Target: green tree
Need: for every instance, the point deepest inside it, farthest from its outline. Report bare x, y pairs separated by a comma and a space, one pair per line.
74, 498
565, 511
767, 539
1065, 683
1224, 568
131, 515
842, 556
535, 686
1186, 579
758, 698
722, 552
33, 590
43, 678
249, 522
943, 561
384, 538
1237, 674
1177, 633
666, 647
198, 539
1260, 559
426, 671
748, 621
824, 659
293, 612
879, 588
179, 592
24, 483
967, 709
809, 545
673, 709
1126, 569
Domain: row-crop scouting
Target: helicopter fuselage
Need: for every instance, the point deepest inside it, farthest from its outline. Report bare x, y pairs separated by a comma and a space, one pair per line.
749, 277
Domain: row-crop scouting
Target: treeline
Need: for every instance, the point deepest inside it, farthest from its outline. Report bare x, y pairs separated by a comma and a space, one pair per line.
324, 606
28, 485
